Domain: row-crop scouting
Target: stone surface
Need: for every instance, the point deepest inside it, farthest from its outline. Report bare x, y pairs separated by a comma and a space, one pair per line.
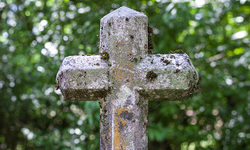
124, 78
176, 77
83, 78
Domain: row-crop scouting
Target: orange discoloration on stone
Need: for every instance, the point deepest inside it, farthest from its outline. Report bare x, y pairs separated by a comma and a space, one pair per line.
119, 43
122, 76
119, 143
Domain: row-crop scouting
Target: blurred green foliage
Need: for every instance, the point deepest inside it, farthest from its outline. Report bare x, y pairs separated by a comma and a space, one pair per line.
35, 36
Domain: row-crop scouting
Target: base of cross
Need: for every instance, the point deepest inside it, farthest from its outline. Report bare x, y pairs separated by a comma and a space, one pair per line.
124, 77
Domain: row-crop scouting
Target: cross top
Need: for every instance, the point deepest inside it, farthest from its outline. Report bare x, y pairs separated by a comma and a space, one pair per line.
124, 77
128, 29
123, 36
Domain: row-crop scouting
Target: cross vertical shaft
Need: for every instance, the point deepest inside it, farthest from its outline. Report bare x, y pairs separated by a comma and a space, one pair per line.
123, 36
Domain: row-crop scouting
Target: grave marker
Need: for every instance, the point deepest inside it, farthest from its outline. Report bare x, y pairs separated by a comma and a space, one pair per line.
124, 77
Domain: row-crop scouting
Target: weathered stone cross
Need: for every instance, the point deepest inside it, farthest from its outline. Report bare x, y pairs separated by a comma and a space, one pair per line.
124, 77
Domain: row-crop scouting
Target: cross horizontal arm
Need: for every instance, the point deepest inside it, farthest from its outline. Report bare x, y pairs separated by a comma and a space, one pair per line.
166, 77
83, 78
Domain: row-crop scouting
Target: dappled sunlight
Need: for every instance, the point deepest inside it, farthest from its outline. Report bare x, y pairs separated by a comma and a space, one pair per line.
239, 35
51, 49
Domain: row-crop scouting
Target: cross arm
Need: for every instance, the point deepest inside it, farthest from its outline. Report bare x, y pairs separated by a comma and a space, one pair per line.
166, 77
83, 78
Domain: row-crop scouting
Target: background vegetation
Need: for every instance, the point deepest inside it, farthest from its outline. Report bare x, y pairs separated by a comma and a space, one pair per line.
35, 36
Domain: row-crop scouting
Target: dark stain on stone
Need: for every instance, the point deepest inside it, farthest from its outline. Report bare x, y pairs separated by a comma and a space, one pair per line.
121, 126
80, 75
128, 101
189, 62
177, 70
133, 59
126, 115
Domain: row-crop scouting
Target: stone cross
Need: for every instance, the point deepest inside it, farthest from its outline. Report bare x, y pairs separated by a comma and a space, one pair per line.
124, 77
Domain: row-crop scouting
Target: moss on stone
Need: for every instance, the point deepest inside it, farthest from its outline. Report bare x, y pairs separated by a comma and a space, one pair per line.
57, 86
104, 55
151, 75
178, 51
172, 57
150, 39
166, 61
